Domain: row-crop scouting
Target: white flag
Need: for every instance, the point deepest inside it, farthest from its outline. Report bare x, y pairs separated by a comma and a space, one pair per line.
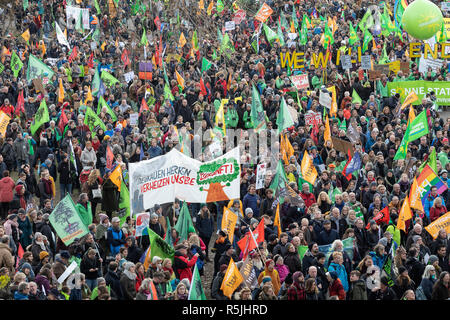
61, 37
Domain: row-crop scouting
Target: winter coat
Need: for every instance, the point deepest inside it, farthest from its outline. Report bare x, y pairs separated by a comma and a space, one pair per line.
341, 272
276, 283
88, 156
21, 148
440, 292
427, 286
113, 280
183, 266
128, 287
357, 291
205, 226
42, 281
115, 239
250, 201
110, 196
415, 270
327, 237
292, 260
134, 252
87, 264
283, 271
6, 258
65, 172
308, 260
27, 230
7, 186
337, 289
46, 230
216, 292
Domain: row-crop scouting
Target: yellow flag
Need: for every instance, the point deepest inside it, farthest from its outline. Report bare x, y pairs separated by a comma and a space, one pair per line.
180, 79
415, 200
232, 279
220, 116
276, 221
42, 47
182, 40
61, 91
327, 133
404, 215
292, 27
286, 149
4, 121
65, 33
89, 96
116, 176
442, 223
103, 46
201, 5
210, 7
229, 220
26, 35
334, 107
410, 99
309, 172
230, 203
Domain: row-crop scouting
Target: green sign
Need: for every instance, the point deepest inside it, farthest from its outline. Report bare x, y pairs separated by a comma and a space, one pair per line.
421, 88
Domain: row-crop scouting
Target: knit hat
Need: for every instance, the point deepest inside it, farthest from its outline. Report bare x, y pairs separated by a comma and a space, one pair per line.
268, 261
156, 259
65, 255
266, 279
248, 210
157, 207
43, 254
333, 275
253, 220
416, 238
383, 241
432, 259
154, 215
115, 219
127, 265
103, 217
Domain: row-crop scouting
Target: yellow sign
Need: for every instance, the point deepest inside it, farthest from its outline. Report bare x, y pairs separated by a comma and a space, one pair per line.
232, 279
4, 121
309, 172
442, 223
229, 220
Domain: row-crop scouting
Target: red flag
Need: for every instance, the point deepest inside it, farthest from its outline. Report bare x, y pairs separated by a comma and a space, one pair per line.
73, 55
20, 253
144, 106
91, 60
20, 106
124, 57
247, 243
315, 132
381, 217
109, 158
157, 23
349, 176
63, 121
203, 88
160, 50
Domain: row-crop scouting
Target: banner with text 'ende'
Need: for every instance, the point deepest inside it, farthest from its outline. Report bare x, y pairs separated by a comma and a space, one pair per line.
174, 175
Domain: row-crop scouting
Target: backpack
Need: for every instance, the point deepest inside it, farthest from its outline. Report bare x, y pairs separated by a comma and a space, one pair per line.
420, 295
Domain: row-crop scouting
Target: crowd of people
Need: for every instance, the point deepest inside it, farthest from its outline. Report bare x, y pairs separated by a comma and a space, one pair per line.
40, 168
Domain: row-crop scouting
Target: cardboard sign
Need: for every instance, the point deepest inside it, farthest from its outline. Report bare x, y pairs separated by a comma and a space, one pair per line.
366, 63
377, 71
346, 62
342, 145
39, 86
311, 115
300, 81
230, 25
325, 99
129, 76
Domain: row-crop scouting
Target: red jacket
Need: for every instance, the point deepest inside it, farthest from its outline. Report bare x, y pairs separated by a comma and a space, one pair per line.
308, 198
7, 189
183, 266
336, 289
435, 212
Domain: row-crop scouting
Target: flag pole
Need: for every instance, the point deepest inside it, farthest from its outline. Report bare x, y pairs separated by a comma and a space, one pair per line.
257, 247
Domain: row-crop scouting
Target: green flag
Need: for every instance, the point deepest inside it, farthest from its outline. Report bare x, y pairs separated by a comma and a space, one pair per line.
353, 37
280, 35
38, 69
343, 125
206, 65
16, 64
328, 37
226, 47
124, 203
96, 82
255, 44
195, 40
419, 127
92, 120
108, 79
443, 34
184, 224
257, 112
196, 291
355, 97
284, 118
219, 6
158, 247
284, 22
102, 103
402, 149
366, 22
304, 33
367, 38
332, 193
41, 117
219, 35
25, 5
384, 57
279, 183
97, 7
167, 93
294, 17
144, 40
431, 161
67, 222
270, 34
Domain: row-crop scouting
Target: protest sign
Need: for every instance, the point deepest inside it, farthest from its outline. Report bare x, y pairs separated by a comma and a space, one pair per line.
425, 64
325, 99
4, 121
239, 16
175, 175
342, 145
421, 88
129, 76
311, 115
366, 63
260, 175
134, 118
300, 81
346, 62
142, 221
230, 25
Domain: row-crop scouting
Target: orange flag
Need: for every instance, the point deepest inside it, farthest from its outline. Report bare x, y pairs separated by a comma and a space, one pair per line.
60, 91
89, 96
276, 221
180, 79
415, 200
182, 41
210, 7
232, 279
404, 215
309, 172
116, 176
327, 133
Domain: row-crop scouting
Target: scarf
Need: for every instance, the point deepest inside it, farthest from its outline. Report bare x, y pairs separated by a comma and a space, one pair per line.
131, 276
42, 245
47, 186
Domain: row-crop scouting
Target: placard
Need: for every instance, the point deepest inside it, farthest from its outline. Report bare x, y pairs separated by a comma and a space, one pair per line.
434, 64
346, 62
239, 16
134, 118
366, 62
311, 115
342, 145
129, 76
260, 175
230, 25
300, 81
325, 99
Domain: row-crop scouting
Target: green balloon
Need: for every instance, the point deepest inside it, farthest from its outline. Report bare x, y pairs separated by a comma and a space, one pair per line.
422, 19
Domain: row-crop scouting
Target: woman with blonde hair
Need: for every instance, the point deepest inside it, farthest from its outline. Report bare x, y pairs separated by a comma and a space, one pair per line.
324, 202
399, 259
181, 292
93, 189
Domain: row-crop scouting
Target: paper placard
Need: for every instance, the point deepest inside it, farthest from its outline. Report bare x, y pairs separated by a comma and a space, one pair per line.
346, 62
325, 99
366, 63
260, 175
134, 117
230, 25
129, 76
67, 273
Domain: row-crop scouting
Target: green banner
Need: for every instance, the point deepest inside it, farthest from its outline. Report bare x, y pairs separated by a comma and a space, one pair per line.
419, 127
67, 222
38, 69
421, 88
108, 79
92, 120
41, 117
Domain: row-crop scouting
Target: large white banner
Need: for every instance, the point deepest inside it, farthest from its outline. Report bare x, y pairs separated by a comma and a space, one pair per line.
174, 175
74, 14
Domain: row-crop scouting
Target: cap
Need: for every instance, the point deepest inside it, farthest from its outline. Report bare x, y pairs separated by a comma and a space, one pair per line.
115, 219
248, 210
327, 221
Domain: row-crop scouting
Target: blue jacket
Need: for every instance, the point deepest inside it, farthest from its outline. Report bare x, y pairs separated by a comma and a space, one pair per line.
250, 201
20, 296
154, 151
116, 240
341, 272
429, 203
377, 260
